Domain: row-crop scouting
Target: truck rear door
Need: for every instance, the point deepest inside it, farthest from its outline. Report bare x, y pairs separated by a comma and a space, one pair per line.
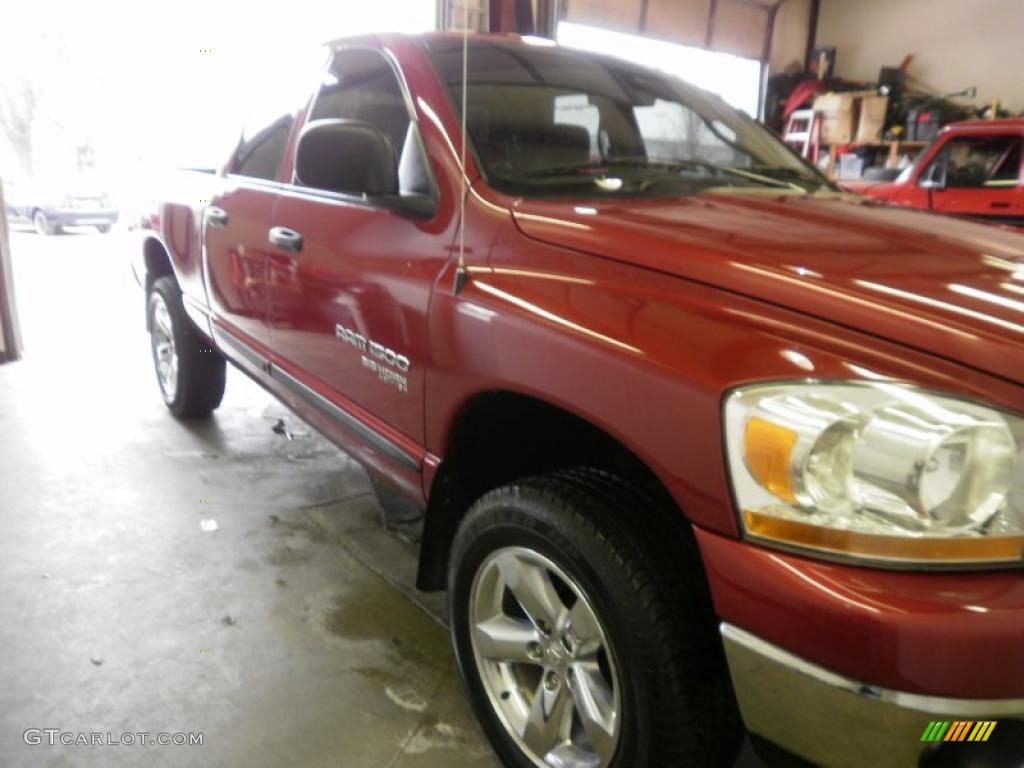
236, 220
235, 232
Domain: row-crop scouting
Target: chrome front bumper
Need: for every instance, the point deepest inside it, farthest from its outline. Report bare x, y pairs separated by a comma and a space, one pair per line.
837, 722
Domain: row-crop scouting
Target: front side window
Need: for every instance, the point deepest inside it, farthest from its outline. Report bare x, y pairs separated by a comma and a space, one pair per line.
977, 162
361, 85
549, 121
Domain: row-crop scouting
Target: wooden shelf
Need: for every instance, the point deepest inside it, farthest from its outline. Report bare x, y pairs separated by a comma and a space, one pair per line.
891, 161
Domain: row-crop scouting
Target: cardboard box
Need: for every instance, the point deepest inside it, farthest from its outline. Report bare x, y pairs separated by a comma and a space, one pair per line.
838, 117
873, 109
855, 117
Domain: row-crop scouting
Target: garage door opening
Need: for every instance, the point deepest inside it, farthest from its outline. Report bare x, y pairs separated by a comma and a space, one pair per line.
734, 78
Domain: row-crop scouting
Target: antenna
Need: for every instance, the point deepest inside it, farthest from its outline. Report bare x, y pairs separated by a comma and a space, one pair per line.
461, 273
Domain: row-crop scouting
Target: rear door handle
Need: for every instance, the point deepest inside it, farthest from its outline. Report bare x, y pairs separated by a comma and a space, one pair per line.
998, 205
285, 239
216, 217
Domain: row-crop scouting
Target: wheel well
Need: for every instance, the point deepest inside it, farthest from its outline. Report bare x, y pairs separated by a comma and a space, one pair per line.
158, 261
158, 264
500, 437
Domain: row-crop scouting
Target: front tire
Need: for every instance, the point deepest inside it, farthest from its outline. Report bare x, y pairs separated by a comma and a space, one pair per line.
42, 224
582, 640
191, 374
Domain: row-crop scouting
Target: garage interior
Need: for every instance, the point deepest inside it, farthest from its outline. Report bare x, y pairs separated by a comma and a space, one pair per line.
238, 576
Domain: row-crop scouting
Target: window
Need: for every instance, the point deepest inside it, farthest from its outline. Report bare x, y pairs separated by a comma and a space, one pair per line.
977, 162
261, 148
672, 131
668, 131
549, 121
576, 109
735, 79
361, 85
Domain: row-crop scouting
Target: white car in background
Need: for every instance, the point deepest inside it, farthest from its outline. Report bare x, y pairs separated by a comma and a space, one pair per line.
51, 206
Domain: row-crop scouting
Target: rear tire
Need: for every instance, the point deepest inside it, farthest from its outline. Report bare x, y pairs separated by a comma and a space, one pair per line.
531, 559
103, 228
190, 373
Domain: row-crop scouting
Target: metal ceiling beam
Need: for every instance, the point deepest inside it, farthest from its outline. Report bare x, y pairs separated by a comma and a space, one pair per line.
710, 34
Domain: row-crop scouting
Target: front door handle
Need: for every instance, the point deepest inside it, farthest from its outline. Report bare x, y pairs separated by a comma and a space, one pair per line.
216, 217
285, 239
1001, 206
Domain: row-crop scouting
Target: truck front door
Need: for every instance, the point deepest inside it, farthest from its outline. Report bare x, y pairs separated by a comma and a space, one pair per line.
348, 309
978, 177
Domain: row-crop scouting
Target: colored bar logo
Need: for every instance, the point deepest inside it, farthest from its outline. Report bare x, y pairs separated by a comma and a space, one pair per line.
959, 730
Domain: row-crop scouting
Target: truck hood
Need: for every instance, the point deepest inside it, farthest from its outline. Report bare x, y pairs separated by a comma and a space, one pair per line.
879, 190
941, 285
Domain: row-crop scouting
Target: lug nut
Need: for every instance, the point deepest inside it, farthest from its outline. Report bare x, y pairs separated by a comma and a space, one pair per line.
569, 642
551, 681
534, 650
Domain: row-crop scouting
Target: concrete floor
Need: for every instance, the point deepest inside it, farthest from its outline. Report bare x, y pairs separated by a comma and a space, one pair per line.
272, 636
290, 635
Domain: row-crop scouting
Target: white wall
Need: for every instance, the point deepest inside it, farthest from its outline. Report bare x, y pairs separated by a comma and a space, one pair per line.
956, 43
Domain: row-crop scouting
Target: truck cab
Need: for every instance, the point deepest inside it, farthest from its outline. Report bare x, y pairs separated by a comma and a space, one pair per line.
972, 169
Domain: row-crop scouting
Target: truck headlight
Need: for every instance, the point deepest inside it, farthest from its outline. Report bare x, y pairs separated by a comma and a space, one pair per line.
879, 471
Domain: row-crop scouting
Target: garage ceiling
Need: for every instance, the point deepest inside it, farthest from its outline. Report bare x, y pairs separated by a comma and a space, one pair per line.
740, 27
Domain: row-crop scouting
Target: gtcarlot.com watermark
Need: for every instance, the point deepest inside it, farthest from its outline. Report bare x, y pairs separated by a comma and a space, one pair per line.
55, 736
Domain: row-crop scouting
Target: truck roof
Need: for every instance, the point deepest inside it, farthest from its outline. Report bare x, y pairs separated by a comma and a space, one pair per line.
437, 36
1001, 124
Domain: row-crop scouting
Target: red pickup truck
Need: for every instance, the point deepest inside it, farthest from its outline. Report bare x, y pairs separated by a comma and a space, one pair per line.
972, 169
699, 442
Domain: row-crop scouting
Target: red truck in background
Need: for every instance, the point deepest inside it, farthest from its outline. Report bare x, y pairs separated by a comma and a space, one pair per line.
700, 443
973, 169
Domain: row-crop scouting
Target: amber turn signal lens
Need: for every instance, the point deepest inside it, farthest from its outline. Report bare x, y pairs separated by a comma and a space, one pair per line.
994, 549
767, 449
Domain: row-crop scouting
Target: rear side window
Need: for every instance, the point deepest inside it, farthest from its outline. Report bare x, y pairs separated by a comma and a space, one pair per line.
361, 85
280, 98
262, 147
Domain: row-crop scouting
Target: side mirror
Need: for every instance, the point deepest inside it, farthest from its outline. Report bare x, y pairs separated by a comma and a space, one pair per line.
346, 156
353, 157
934, 176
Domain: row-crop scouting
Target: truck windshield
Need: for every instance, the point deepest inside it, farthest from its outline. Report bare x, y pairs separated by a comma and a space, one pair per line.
548, 121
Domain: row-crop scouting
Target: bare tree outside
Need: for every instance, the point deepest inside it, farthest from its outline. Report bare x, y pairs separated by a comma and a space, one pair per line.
17, 113
34, 77
19, 99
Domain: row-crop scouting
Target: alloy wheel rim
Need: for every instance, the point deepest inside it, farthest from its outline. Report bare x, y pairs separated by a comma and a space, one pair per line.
165, 355
544, 660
